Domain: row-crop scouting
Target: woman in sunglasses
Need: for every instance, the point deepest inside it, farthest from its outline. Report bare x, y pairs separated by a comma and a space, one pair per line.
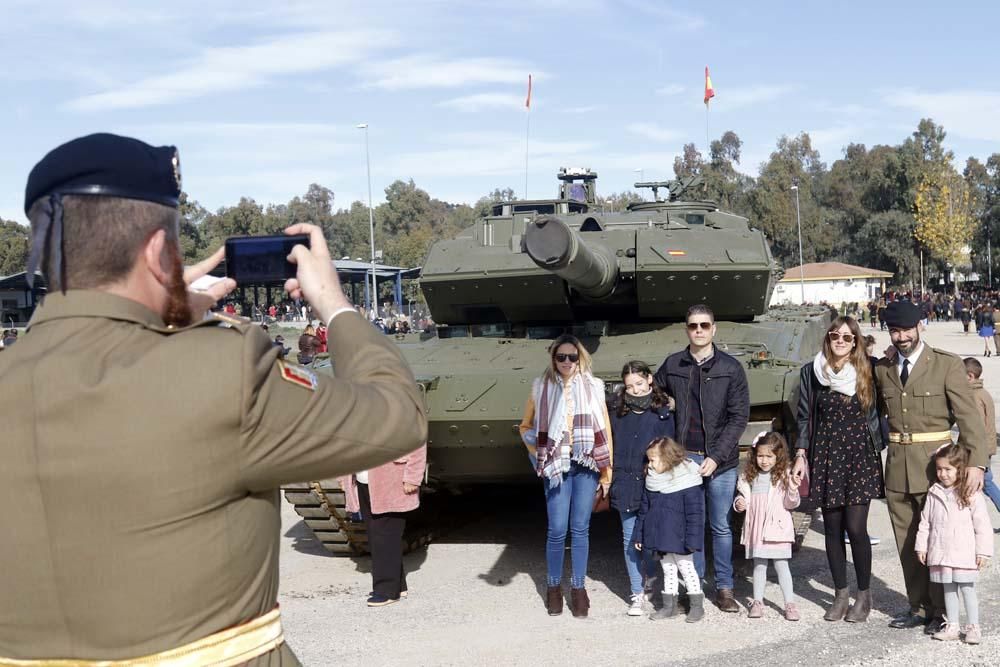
840, 436
565, 428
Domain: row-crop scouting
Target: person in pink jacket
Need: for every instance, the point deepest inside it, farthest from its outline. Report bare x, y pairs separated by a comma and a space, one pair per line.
766, 492
955, 540
383, 495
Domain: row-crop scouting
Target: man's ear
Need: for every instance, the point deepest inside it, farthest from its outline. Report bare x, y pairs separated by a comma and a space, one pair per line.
154, 256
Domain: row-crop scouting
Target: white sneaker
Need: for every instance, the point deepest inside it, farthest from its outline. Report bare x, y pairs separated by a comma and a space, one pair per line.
635, 606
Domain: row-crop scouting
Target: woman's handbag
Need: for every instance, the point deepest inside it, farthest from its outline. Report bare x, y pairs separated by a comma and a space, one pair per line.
602, 501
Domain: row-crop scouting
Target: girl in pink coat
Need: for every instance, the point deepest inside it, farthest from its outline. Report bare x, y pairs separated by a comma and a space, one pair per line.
955, 540
766, 492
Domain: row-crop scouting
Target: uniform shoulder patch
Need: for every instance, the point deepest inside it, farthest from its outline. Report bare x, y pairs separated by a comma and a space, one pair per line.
297, 375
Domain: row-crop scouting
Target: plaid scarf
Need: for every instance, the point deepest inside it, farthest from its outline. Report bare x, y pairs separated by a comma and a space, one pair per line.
557, 448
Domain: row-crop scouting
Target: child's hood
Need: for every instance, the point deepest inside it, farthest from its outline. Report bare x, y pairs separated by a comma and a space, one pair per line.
684, 475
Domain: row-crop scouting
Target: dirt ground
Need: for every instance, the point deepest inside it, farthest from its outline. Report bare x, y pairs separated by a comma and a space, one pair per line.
476, 598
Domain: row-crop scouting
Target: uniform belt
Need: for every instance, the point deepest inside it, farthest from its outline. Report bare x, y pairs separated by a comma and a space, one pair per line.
910, 438
233, 646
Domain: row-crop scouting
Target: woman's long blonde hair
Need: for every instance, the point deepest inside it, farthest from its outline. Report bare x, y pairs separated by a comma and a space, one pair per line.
857, 358
584, 363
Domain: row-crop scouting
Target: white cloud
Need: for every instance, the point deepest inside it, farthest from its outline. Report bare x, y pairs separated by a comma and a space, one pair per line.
971, 114
671, 89
485, 102
831, 141
224, 69
653, 132
427, 71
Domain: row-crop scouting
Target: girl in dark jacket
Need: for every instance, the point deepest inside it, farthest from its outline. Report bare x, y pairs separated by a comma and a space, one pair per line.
840, 436
671, 523
640, 415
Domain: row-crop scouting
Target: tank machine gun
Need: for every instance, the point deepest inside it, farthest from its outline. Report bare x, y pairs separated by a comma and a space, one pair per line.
502, 289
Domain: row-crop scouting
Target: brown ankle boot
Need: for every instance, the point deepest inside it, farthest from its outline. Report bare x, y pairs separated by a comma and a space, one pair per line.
579, 603
861, 608
841, 601
554, 600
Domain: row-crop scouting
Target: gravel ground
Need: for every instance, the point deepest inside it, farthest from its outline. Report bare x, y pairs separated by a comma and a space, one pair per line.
476, 597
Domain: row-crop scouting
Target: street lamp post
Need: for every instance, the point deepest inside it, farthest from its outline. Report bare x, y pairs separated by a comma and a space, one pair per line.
798, 223
371, 220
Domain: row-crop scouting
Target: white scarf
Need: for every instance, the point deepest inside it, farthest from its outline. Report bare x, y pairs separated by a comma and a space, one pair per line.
843, 382
684, 475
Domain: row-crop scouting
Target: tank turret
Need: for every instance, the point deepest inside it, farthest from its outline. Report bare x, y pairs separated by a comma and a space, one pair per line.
553, 246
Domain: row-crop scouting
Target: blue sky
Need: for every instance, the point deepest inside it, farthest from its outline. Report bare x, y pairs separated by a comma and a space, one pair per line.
262, 98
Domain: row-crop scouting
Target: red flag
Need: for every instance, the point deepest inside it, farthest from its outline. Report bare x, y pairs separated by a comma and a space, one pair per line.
709, 91
527, 102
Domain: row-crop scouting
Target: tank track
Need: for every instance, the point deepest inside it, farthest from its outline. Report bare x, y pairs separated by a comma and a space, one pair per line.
323, 508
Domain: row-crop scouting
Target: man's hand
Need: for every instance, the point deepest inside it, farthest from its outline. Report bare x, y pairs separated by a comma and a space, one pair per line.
974, 480
708, 467
201, 301
799, 469
316, 278
410, 489
740, 504
982, 561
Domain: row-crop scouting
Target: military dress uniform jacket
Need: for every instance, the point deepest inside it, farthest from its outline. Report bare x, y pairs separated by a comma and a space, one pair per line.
141, 468
936, 391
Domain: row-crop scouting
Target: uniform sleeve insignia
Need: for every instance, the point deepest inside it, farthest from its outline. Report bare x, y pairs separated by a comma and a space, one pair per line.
297, 375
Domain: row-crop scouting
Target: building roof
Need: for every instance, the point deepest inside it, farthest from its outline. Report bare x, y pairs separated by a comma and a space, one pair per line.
832, 271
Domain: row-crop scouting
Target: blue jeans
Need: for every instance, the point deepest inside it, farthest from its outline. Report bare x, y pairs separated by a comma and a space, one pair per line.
569, 506
637, 563
720, 491
990, 488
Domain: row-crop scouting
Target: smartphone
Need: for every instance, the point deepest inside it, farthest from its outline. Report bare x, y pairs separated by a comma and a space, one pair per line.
255, 260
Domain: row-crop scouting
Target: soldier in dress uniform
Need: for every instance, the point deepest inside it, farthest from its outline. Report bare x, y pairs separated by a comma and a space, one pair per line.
144, 445
921, 388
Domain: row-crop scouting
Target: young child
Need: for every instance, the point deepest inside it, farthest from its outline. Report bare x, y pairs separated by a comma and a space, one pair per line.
974, 372
671, 523
955, 540
765, 491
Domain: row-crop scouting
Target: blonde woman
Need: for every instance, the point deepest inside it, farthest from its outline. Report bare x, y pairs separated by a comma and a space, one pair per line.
566, 430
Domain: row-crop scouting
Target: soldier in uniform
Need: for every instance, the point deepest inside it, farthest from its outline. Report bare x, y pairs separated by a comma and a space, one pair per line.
921, 388
144, 445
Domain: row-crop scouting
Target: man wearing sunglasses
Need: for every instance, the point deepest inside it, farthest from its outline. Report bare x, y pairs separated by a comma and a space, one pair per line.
923, 390
713, 407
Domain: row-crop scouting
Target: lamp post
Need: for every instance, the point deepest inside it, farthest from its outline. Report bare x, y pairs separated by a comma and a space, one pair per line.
798, 223
371, 220
641, 173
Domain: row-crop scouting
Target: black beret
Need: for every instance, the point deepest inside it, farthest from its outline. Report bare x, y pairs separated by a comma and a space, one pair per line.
110, 165
902, 315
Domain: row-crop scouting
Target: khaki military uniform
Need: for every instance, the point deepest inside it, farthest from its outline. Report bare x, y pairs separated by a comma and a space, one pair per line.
141, 468
936, 395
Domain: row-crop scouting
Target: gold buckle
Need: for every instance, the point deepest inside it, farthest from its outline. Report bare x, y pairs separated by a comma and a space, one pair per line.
906, 438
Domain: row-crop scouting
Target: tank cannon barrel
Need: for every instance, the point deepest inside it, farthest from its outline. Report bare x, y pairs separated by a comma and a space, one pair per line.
555, 247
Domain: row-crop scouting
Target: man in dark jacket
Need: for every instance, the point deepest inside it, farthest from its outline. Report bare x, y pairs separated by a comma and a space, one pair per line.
713, 407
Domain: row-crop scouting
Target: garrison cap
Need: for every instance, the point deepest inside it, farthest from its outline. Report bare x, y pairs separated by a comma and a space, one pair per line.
902, 315
97, 164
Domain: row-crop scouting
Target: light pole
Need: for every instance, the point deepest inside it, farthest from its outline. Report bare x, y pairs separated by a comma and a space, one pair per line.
641, 173
371, 220
798, 222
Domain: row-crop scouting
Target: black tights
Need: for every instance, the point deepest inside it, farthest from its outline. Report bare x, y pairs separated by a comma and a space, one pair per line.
854, 520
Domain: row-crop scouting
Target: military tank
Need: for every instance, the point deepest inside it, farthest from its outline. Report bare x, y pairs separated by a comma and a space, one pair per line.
503, 289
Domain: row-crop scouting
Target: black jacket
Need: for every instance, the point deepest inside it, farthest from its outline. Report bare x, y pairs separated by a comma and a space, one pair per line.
632, 435
809, 389
671, 523
725, 402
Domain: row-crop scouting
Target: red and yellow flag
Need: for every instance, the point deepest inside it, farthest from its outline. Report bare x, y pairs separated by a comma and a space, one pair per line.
527, 101
709, 91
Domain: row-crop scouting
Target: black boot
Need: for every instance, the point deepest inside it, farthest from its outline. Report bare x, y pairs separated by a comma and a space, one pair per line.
841, 602
668, 610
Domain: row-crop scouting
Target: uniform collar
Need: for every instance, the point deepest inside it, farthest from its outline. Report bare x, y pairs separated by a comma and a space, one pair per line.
94, 303
913, 357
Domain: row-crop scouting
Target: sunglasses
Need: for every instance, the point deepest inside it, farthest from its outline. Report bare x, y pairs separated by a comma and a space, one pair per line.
694, 326
561, 358
847, 338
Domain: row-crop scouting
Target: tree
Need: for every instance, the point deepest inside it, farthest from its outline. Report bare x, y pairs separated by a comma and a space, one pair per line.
617, 202
484, 205
943, 212
13, 247
689, 162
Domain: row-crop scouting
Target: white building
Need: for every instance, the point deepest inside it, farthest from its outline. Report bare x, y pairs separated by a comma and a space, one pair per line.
832, 282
